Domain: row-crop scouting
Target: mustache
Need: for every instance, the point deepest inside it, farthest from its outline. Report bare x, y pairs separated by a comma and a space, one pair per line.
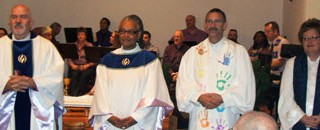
213, 29
127, 39
18, 25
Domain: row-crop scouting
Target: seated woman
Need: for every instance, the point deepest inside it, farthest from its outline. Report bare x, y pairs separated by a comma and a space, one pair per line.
46, 32
81, 70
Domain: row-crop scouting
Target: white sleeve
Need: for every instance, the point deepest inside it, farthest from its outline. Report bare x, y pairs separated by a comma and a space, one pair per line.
48, 74
141, 114
289, 112
187, 92
241, 95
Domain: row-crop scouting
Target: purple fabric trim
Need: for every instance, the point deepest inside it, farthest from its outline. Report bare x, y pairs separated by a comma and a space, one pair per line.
45, 119
164, 109
91, 120
151, 102
6, 109
105, 126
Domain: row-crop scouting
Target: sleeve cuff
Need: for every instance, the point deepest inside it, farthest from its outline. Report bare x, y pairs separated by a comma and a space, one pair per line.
295, 115
227, 99
194, 99
109, 115
140, 114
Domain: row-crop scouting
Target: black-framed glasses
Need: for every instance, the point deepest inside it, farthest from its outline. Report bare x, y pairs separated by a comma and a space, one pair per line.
130, 32
313, 38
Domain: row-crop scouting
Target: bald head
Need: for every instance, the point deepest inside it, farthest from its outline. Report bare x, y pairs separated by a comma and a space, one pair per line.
20, 21
21, 6
178, 37
190, 21
255, 121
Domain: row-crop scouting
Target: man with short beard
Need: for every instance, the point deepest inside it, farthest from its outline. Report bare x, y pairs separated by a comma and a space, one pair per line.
31, 77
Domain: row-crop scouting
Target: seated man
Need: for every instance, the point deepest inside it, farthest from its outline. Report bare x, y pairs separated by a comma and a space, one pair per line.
56, 28
147, 44
171, 61
233, 35
103, 35
253, 120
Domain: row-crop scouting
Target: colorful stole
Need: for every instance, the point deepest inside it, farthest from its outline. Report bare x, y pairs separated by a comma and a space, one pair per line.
300, 78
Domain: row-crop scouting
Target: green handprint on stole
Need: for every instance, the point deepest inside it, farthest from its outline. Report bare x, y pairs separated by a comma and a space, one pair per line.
222, 82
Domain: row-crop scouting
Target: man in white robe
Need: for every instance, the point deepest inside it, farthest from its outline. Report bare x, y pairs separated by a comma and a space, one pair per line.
131, 92
216, 81
299, 102
36, 72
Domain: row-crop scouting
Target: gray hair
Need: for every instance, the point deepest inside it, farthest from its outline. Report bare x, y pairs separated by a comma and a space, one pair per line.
136, 19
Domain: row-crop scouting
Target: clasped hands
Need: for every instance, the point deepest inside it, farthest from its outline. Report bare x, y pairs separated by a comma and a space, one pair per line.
80, 67
122, 123
19, 83
311, 121
210, 100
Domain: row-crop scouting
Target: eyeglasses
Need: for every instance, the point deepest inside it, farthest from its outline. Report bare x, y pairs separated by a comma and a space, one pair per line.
313, 38
130, 32
218, 21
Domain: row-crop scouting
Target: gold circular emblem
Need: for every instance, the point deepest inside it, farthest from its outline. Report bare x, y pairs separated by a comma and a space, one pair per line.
125, 61
22, 58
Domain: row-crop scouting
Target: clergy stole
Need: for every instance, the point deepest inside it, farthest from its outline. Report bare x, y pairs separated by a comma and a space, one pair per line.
300, 79
22, 65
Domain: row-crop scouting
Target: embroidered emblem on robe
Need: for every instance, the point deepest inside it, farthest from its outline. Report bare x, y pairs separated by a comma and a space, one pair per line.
22, 58
125, 61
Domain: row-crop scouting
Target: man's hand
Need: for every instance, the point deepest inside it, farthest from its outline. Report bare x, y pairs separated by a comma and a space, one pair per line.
317, 120
217, 99
19, 84
210, 100
75, 67
128, 122
310, 121
115, 121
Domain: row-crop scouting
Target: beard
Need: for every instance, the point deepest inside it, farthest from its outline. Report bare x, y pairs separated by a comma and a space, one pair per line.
19, 29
